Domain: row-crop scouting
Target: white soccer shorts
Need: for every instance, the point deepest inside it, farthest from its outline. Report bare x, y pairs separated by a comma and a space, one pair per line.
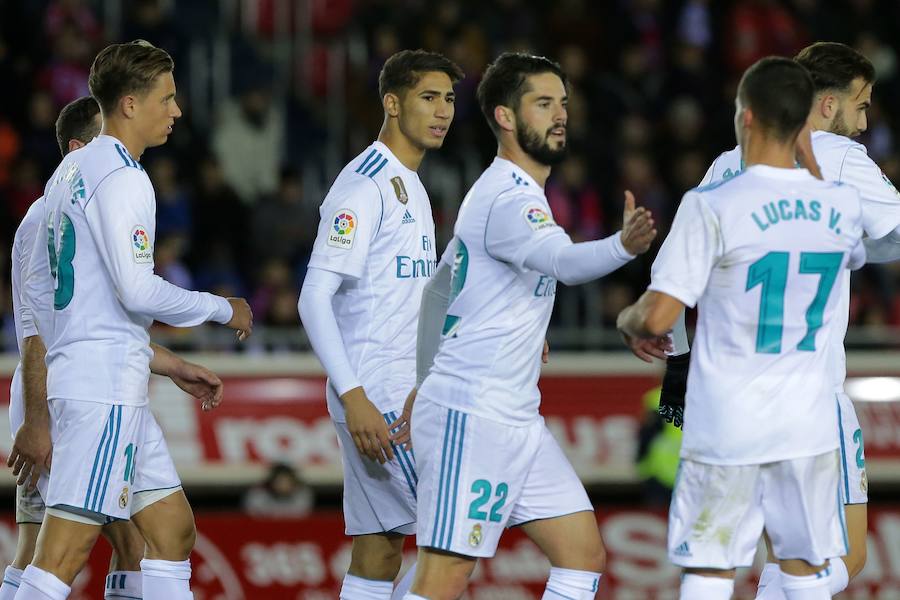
377, 498
102, 455
478, 476
719, 511
854, 483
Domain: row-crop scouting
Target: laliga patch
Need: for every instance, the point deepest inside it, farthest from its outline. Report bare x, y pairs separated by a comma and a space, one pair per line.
140, 245
537, 217
343, 229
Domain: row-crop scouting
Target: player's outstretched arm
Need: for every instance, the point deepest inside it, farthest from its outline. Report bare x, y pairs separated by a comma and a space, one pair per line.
32, 447
432, 312
645, 325
196, 380
365, 424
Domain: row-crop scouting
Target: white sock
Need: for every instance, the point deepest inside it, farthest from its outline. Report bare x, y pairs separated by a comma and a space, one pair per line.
166, 579
806, 587
770, 583
698, 587
38, 584
12, 579
402, 587
357, 588
122, 585
840, 578
572, 584
411, 596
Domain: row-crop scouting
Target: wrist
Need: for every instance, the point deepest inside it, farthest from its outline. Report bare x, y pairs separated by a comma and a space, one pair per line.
619, 249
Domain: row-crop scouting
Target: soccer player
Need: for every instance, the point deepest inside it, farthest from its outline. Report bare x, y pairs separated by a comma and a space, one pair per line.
843, 80
360, 306
486, 459
110, 461
762, 255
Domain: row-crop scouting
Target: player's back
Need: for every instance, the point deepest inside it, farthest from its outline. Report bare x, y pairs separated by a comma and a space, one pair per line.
99, 351
760, 387
377, 230
488, 362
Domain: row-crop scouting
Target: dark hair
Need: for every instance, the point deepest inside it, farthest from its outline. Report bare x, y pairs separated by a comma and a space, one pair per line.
404, 69
122, 69
77, 121
780, 93
834, 66
504, 81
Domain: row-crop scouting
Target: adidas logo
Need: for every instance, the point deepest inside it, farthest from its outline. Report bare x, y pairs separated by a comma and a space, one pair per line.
407, 218
683, 550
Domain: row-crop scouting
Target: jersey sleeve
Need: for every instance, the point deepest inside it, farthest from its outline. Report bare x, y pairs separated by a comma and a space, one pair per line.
691, 250
710, 173
350, 217
880, 199
122, 218
516, 225
37, 283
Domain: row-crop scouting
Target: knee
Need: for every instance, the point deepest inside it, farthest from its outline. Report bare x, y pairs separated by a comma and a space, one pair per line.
64, 561
175, 543
381, 564
596, 558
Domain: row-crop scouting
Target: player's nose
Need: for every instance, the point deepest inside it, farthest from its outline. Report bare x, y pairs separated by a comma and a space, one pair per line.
176, 113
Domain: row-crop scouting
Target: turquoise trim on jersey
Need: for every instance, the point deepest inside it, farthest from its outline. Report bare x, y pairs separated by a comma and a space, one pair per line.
378, 168
112, 459
107, 432
519, 180
843, 454
129, 162
10, 583
366, 160
715, 184
371, 163
453, 503
555, 593
437, 512
459, 270
402, 459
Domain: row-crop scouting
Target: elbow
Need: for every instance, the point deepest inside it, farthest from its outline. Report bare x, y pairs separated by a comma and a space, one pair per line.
133, 301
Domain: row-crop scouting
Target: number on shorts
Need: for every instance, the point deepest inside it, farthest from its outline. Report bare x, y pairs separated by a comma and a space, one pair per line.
858, 440
482, 487
130, 456
61, 264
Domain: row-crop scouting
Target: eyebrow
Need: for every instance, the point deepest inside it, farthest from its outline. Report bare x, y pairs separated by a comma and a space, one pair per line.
436, 93
551, 98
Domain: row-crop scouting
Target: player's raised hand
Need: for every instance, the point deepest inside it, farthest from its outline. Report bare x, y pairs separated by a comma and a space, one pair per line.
201, 383
805, 156
242, 320
367, 426
31, 452
638, 229
403, 425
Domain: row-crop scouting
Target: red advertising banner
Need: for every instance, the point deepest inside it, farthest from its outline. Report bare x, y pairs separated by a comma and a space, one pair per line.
239, 558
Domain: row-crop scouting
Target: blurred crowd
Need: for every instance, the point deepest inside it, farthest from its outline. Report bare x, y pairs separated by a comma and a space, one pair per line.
239, 183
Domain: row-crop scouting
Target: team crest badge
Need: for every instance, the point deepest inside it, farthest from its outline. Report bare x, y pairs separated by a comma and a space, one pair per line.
123, 497
400, 190
476, 536
863, 482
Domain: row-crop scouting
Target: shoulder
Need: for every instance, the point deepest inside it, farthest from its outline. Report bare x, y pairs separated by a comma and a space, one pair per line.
30, 223
714, 189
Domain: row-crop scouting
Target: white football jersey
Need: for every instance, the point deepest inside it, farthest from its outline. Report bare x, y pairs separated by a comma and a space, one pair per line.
377, 230
100, 224
489, 359
840, 159
29, 320
762, 256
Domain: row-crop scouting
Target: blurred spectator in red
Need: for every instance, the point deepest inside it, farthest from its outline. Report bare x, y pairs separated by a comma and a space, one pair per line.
758, 28
76, 13
575, 201
66, 74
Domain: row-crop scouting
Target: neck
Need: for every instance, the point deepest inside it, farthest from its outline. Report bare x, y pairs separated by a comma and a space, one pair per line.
119, 131
406, 152
765, 150
514, 153
819, 123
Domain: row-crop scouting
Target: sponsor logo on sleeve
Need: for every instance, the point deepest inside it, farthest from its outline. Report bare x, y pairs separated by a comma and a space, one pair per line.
343, 229
537, 217
140, 245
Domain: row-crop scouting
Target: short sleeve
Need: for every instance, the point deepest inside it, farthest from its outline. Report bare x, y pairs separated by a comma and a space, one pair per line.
880, 199
350, 217
516, 225
710, 173
691, 250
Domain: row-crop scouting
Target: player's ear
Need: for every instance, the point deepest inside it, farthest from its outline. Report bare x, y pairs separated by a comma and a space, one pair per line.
747, 118
828, 106
391, 104
75, 144
505, 118
127, 106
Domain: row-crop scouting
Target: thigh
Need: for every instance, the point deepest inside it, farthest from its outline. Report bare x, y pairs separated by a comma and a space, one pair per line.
377, 498
569, 542
167, 526
715, 518
63, 546
471, 471
854, 482
803, 508
91, 457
